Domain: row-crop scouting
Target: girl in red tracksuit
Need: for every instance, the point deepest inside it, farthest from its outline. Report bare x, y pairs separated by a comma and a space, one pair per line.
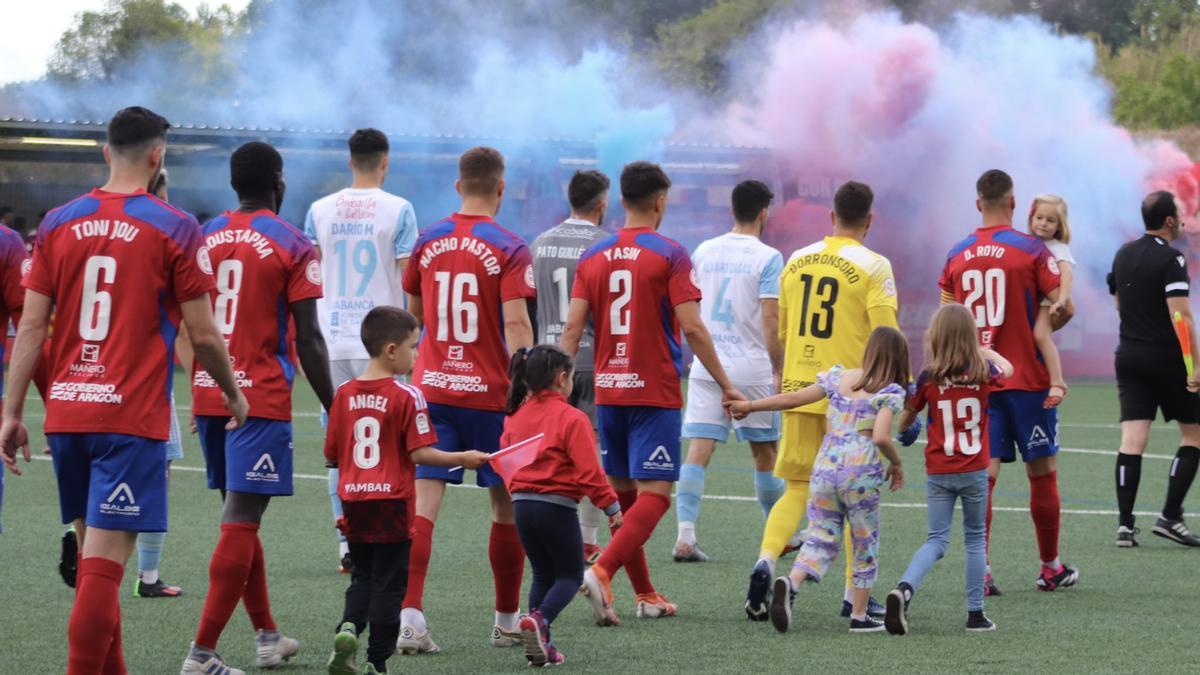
546, 493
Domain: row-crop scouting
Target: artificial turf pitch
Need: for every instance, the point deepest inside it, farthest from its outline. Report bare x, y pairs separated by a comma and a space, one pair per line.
1132, 610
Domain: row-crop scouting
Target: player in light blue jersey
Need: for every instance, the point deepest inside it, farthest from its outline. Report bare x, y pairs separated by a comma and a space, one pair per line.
739, 279
364, 237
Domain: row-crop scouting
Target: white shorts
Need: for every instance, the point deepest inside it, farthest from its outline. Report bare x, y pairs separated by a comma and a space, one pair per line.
705, 417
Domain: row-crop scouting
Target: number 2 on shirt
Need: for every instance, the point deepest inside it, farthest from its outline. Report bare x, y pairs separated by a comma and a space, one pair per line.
621, 283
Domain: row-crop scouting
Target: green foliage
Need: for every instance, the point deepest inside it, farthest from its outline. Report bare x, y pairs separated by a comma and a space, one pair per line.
694, 50
102, 43
1158, 82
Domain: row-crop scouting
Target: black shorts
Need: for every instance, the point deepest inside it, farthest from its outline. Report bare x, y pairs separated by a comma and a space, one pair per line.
583, 394
1149, 379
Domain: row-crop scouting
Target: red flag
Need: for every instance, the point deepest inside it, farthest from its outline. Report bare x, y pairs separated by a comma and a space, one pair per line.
510, 460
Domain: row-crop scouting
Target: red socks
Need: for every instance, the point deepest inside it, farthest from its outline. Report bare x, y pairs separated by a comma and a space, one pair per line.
508, 566
94, 629
227, 574
255, 598
625, 549
418, 562
987, 536
1044, 506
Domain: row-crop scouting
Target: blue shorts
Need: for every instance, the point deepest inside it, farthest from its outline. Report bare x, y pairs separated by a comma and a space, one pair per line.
461, 429
640, 442
113, 481
1017, 421
256, 457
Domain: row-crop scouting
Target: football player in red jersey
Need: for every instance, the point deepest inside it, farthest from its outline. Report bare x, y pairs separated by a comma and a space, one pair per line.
263, 266
1001, 275
377, 428
13, 265
639, 289
468, 281
120, 268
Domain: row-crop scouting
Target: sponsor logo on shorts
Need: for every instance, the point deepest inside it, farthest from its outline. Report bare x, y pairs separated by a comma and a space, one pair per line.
120, 502
660, 459
263, 470
1038, 437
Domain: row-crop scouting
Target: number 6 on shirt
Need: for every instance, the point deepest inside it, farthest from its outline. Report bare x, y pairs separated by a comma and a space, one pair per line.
465, 312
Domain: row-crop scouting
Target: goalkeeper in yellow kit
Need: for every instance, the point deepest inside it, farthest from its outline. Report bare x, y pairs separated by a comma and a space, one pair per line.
832, 295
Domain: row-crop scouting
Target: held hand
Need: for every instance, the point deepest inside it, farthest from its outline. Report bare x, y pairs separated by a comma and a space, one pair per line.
238, 408
732, 394
777, 383
192, 423
615, 520
738, 409
1057, 308
13, 437
895, 474
1193, 383
909, 436
473, 459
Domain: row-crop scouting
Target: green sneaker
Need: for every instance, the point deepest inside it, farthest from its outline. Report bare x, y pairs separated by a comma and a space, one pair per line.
370, 669
345, 648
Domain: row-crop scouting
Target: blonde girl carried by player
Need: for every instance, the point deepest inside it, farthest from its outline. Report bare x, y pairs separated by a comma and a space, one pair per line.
848, 472
1048, 222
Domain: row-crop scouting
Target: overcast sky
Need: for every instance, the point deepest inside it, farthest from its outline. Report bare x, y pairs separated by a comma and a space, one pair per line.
30, 30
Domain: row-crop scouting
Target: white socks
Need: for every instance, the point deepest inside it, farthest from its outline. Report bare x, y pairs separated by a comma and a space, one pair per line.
687, 533
343, 549
507, 621
148, 576
589, 534
413, 618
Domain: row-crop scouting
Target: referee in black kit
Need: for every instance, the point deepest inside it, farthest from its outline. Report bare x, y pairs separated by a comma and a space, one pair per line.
1149, 282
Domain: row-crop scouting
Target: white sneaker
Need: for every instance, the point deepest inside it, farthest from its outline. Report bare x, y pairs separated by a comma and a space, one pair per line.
212, 664
411, 643
273, 648
503, 638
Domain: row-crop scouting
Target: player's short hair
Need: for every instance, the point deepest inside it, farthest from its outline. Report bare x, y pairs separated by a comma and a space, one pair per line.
253, 168
1157, 207
586, 189
134, 130
993, 186
749, 198
1060, 206
383, 325
480, 171
534, 369
641, 183
5, 210
368, 147
852, 203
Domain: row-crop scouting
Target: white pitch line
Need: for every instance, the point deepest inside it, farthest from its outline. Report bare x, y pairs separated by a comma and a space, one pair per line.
740, 498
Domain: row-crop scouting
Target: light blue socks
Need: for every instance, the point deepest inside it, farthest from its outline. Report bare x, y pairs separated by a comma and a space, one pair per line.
768, 489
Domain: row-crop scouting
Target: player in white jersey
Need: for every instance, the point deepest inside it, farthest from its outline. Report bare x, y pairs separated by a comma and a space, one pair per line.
364, 237
739, 279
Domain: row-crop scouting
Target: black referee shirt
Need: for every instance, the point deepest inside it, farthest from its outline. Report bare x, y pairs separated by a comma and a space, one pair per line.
1145, 272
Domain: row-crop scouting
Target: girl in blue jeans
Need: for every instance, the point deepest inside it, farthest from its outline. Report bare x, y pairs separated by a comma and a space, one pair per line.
954, 387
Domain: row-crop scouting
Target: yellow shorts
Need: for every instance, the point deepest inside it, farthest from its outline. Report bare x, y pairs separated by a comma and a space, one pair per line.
798, 445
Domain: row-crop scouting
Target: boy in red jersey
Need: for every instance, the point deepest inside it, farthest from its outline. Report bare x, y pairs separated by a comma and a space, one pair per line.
467, 282
261, 263
377, 428
120, 268
1001, 275
639, 285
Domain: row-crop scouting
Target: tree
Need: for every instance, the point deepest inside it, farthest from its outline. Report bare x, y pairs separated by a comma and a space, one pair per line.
103, 43
694, 51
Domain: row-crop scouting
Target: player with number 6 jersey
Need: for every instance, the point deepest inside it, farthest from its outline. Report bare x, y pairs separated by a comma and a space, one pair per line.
268, 278
468, 282
1001, 276
120, 268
